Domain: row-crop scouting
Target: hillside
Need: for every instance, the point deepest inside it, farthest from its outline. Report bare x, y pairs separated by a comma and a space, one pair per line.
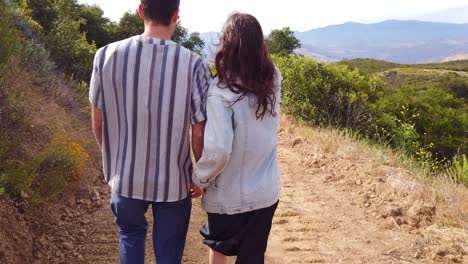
48, 164
358, 147
450, 76
391, 40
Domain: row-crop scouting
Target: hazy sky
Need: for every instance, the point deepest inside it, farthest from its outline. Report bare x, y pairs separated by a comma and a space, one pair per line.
301, 15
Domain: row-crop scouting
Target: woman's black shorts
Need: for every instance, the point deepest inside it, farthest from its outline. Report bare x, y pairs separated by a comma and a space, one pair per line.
244, 235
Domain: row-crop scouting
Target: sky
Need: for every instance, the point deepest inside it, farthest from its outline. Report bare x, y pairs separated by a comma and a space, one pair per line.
299, 15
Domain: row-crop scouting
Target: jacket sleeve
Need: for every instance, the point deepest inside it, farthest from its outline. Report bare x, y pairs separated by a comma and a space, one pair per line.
219, 135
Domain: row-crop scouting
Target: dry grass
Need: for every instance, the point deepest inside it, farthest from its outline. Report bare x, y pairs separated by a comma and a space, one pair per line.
450, 199
53, 112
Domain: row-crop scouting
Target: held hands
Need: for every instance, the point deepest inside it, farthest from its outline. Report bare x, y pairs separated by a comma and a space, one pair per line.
195, 191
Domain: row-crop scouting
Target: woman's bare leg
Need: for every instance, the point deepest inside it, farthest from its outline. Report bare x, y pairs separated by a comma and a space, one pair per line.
217, 258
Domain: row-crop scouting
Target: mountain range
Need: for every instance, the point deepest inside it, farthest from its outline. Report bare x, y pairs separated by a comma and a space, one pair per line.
399, 41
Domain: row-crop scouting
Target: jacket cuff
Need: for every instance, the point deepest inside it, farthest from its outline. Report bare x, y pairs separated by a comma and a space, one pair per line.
202, 185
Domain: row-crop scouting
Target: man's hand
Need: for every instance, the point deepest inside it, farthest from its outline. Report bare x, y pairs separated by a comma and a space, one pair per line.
195, 191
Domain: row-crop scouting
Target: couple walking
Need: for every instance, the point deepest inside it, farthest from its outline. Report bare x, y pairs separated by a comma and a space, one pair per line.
146, 93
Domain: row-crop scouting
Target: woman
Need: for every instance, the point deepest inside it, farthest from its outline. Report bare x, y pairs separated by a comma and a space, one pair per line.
239, 166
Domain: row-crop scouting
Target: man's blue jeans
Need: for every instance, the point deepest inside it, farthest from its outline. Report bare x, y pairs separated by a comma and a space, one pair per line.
170, 226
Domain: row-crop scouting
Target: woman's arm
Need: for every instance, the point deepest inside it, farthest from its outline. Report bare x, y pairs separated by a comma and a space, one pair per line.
219, 135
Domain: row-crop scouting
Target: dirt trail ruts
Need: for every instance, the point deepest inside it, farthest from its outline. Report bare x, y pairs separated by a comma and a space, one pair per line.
335, 208
320, 222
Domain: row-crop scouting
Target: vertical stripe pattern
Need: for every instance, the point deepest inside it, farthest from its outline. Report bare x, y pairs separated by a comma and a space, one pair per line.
126, 117
105, 136
184, 144
170, 125
134, 107
117, 107
150, 106
150, 91
159, 123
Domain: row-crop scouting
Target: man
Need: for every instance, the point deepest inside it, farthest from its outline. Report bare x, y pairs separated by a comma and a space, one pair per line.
146, 91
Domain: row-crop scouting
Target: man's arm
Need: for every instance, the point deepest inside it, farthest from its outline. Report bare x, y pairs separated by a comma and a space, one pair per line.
96, 116
198, 133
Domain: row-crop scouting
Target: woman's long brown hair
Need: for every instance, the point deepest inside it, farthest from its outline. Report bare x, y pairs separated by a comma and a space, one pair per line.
243, 63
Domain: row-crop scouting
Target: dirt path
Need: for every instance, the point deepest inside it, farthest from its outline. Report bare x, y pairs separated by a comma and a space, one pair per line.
321, 221
102, 247
336, 207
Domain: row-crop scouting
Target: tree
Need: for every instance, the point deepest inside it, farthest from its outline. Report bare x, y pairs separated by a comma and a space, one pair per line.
282, 42
43, 12
68, 45
131, 24
190, 41
95, 25
180, 33
194, 43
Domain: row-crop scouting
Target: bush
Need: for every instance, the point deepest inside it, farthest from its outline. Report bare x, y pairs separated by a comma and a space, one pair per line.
70, 49
15, 177
61, 161
438, 119
423, 115
14, 122
458, 169
9, 38
37, 60
45, 176
327, 94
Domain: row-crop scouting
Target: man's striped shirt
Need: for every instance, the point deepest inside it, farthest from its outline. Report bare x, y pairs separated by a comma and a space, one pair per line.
149, 91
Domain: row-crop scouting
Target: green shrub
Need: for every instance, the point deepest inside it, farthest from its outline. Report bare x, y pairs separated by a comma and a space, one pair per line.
327, 94
16, 178
37, 60
60, 162
46, 175
458, 169
9, 38
438, 120
421, 113
70, 49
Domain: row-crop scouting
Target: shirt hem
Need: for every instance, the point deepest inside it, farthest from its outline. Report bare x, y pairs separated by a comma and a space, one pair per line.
141, 198
231, 210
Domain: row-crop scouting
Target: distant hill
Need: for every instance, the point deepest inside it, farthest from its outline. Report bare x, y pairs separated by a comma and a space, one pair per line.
391, 40
456, 57
451, 76
375, 66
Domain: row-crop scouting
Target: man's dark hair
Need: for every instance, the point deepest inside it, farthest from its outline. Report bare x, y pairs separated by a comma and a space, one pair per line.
160, 11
